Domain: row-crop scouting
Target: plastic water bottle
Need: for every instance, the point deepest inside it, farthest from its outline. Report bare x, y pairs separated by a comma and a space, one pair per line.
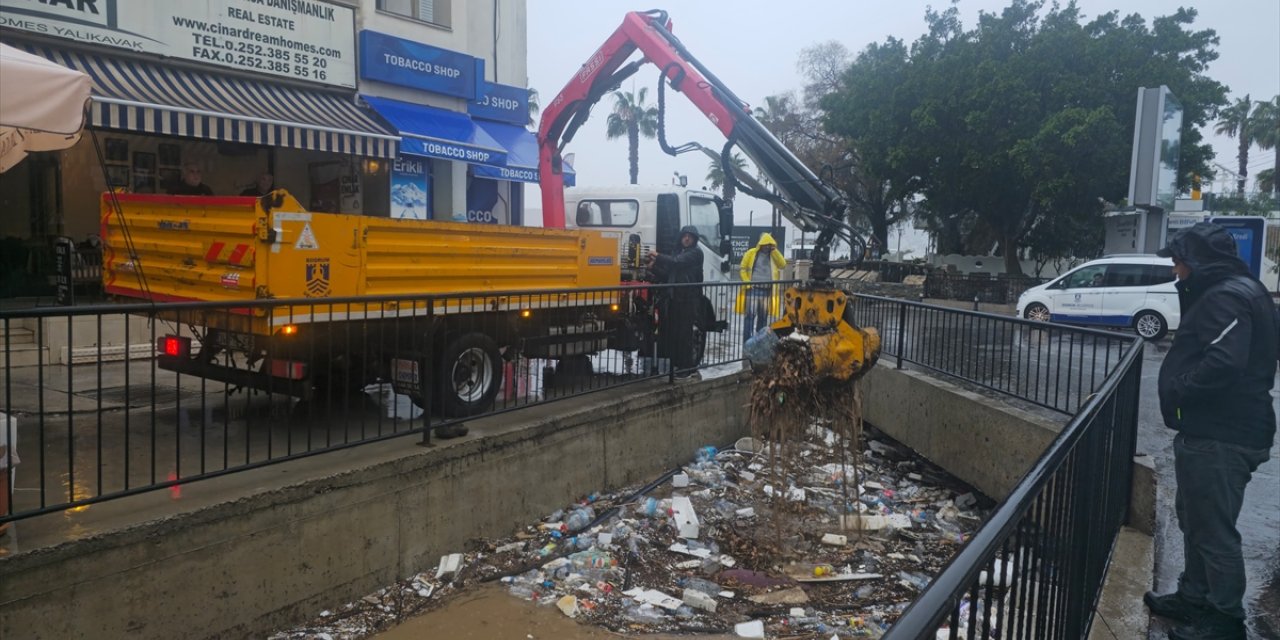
760, 347
580, 518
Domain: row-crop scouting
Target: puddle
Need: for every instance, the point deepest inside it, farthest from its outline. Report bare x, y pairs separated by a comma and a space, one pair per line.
490, 613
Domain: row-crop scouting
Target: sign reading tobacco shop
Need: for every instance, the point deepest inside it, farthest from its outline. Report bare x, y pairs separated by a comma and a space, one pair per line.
301, 39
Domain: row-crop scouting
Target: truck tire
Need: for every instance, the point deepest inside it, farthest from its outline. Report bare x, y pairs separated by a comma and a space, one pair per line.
469, 376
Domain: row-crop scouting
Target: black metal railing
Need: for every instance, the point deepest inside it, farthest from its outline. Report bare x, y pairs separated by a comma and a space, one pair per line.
172, 393
999, 289
1050, 365
1036, 568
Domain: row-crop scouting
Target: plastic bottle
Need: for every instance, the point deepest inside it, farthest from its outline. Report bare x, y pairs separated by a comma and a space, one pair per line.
586, 562
705, 586
579, 518
644, 614
706, 454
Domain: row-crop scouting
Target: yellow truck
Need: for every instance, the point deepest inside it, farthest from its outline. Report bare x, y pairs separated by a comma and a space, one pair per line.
332, 301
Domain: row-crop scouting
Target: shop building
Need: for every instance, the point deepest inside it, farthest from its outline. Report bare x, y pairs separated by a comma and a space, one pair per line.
401, 108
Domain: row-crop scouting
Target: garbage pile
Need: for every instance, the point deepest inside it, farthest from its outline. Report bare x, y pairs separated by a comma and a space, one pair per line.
720, 545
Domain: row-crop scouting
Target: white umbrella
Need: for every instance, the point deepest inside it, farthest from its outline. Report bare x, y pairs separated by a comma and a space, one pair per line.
42, 105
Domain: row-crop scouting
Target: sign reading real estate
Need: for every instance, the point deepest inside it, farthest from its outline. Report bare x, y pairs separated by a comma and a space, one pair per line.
415, 65
299, 39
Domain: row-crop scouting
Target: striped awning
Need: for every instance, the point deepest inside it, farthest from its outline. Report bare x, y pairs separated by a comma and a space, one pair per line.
148, 97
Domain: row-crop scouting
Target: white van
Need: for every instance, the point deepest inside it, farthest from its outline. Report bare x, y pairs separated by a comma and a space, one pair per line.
1116, 291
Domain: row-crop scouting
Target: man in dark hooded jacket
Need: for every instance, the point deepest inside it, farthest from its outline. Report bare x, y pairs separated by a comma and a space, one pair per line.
1215, 391
679, 307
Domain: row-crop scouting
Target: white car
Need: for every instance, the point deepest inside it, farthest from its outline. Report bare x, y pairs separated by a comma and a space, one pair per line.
1116, 291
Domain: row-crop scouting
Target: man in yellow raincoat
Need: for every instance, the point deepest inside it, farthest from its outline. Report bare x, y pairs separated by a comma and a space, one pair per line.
759, 302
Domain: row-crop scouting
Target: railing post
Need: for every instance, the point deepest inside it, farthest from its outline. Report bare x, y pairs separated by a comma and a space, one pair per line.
425, 374
902, 331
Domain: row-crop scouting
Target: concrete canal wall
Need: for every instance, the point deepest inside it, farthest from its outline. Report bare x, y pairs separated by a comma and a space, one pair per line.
265, 549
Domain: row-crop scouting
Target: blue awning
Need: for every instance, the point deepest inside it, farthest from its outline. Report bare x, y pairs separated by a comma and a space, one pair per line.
522, 154
150, 97
439, 133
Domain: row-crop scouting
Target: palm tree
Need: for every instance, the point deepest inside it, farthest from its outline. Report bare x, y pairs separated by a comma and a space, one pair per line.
534, 107
1234, 123
1266, 181
1266, 132
779, 116
633, 118
715, 175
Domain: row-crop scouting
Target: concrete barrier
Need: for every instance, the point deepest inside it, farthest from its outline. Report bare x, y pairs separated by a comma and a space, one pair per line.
263, 550
988, 444
272, 557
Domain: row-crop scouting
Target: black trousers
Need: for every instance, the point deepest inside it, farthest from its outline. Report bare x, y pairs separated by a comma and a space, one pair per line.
1211, 478
675, 333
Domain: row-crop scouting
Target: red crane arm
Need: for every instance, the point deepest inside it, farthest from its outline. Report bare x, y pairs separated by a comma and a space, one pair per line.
801, 196
597, 77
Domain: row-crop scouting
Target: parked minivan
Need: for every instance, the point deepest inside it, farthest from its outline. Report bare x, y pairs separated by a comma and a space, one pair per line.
1116, 291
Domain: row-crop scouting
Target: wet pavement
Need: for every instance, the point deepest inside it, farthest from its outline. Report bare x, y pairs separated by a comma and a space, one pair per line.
1259, 522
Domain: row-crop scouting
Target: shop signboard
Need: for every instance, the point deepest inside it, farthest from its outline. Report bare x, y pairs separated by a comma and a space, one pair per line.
416, 65
298, 39
410, 188
501, 102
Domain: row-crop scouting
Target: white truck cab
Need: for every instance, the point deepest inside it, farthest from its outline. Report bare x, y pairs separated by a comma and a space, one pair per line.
649, 217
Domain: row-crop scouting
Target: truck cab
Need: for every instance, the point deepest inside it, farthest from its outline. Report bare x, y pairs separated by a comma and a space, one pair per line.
645, 217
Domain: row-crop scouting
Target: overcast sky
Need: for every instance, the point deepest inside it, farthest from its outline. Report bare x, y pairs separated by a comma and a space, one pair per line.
753, 45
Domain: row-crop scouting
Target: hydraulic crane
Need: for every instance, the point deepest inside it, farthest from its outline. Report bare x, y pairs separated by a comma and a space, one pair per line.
818, 309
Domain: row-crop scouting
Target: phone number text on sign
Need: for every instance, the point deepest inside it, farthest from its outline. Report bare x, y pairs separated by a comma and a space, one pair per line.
249, 55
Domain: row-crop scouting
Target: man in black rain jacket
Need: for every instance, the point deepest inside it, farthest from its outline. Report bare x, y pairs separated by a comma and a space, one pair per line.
1215, 391
678, 311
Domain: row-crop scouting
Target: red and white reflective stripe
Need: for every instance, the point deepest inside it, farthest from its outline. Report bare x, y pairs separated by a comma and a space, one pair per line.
238, 253
289, 369
214, 251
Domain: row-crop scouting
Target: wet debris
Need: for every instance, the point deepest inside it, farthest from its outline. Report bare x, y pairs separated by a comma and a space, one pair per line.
749, 543
811, 527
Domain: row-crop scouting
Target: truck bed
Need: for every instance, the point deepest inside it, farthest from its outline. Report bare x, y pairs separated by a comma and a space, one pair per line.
229, 249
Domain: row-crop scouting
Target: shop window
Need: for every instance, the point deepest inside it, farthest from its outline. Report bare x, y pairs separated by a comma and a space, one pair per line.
434, 11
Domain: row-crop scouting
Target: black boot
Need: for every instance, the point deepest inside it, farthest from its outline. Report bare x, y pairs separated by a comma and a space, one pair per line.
1213, 626
1174, 606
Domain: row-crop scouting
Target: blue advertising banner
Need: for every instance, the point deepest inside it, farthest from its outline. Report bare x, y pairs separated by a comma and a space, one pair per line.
1250, 234
482, 197
410, 188
520, 174
501, 102
419, 66
446, 150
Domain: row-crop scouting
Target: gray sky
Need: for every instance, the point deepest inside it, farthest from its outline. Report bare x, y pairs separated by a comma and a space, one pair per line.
753, 46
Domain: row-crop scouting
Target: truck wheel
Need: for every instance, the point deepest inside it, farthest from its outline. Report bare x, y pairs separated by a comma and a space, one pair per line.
469, 376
